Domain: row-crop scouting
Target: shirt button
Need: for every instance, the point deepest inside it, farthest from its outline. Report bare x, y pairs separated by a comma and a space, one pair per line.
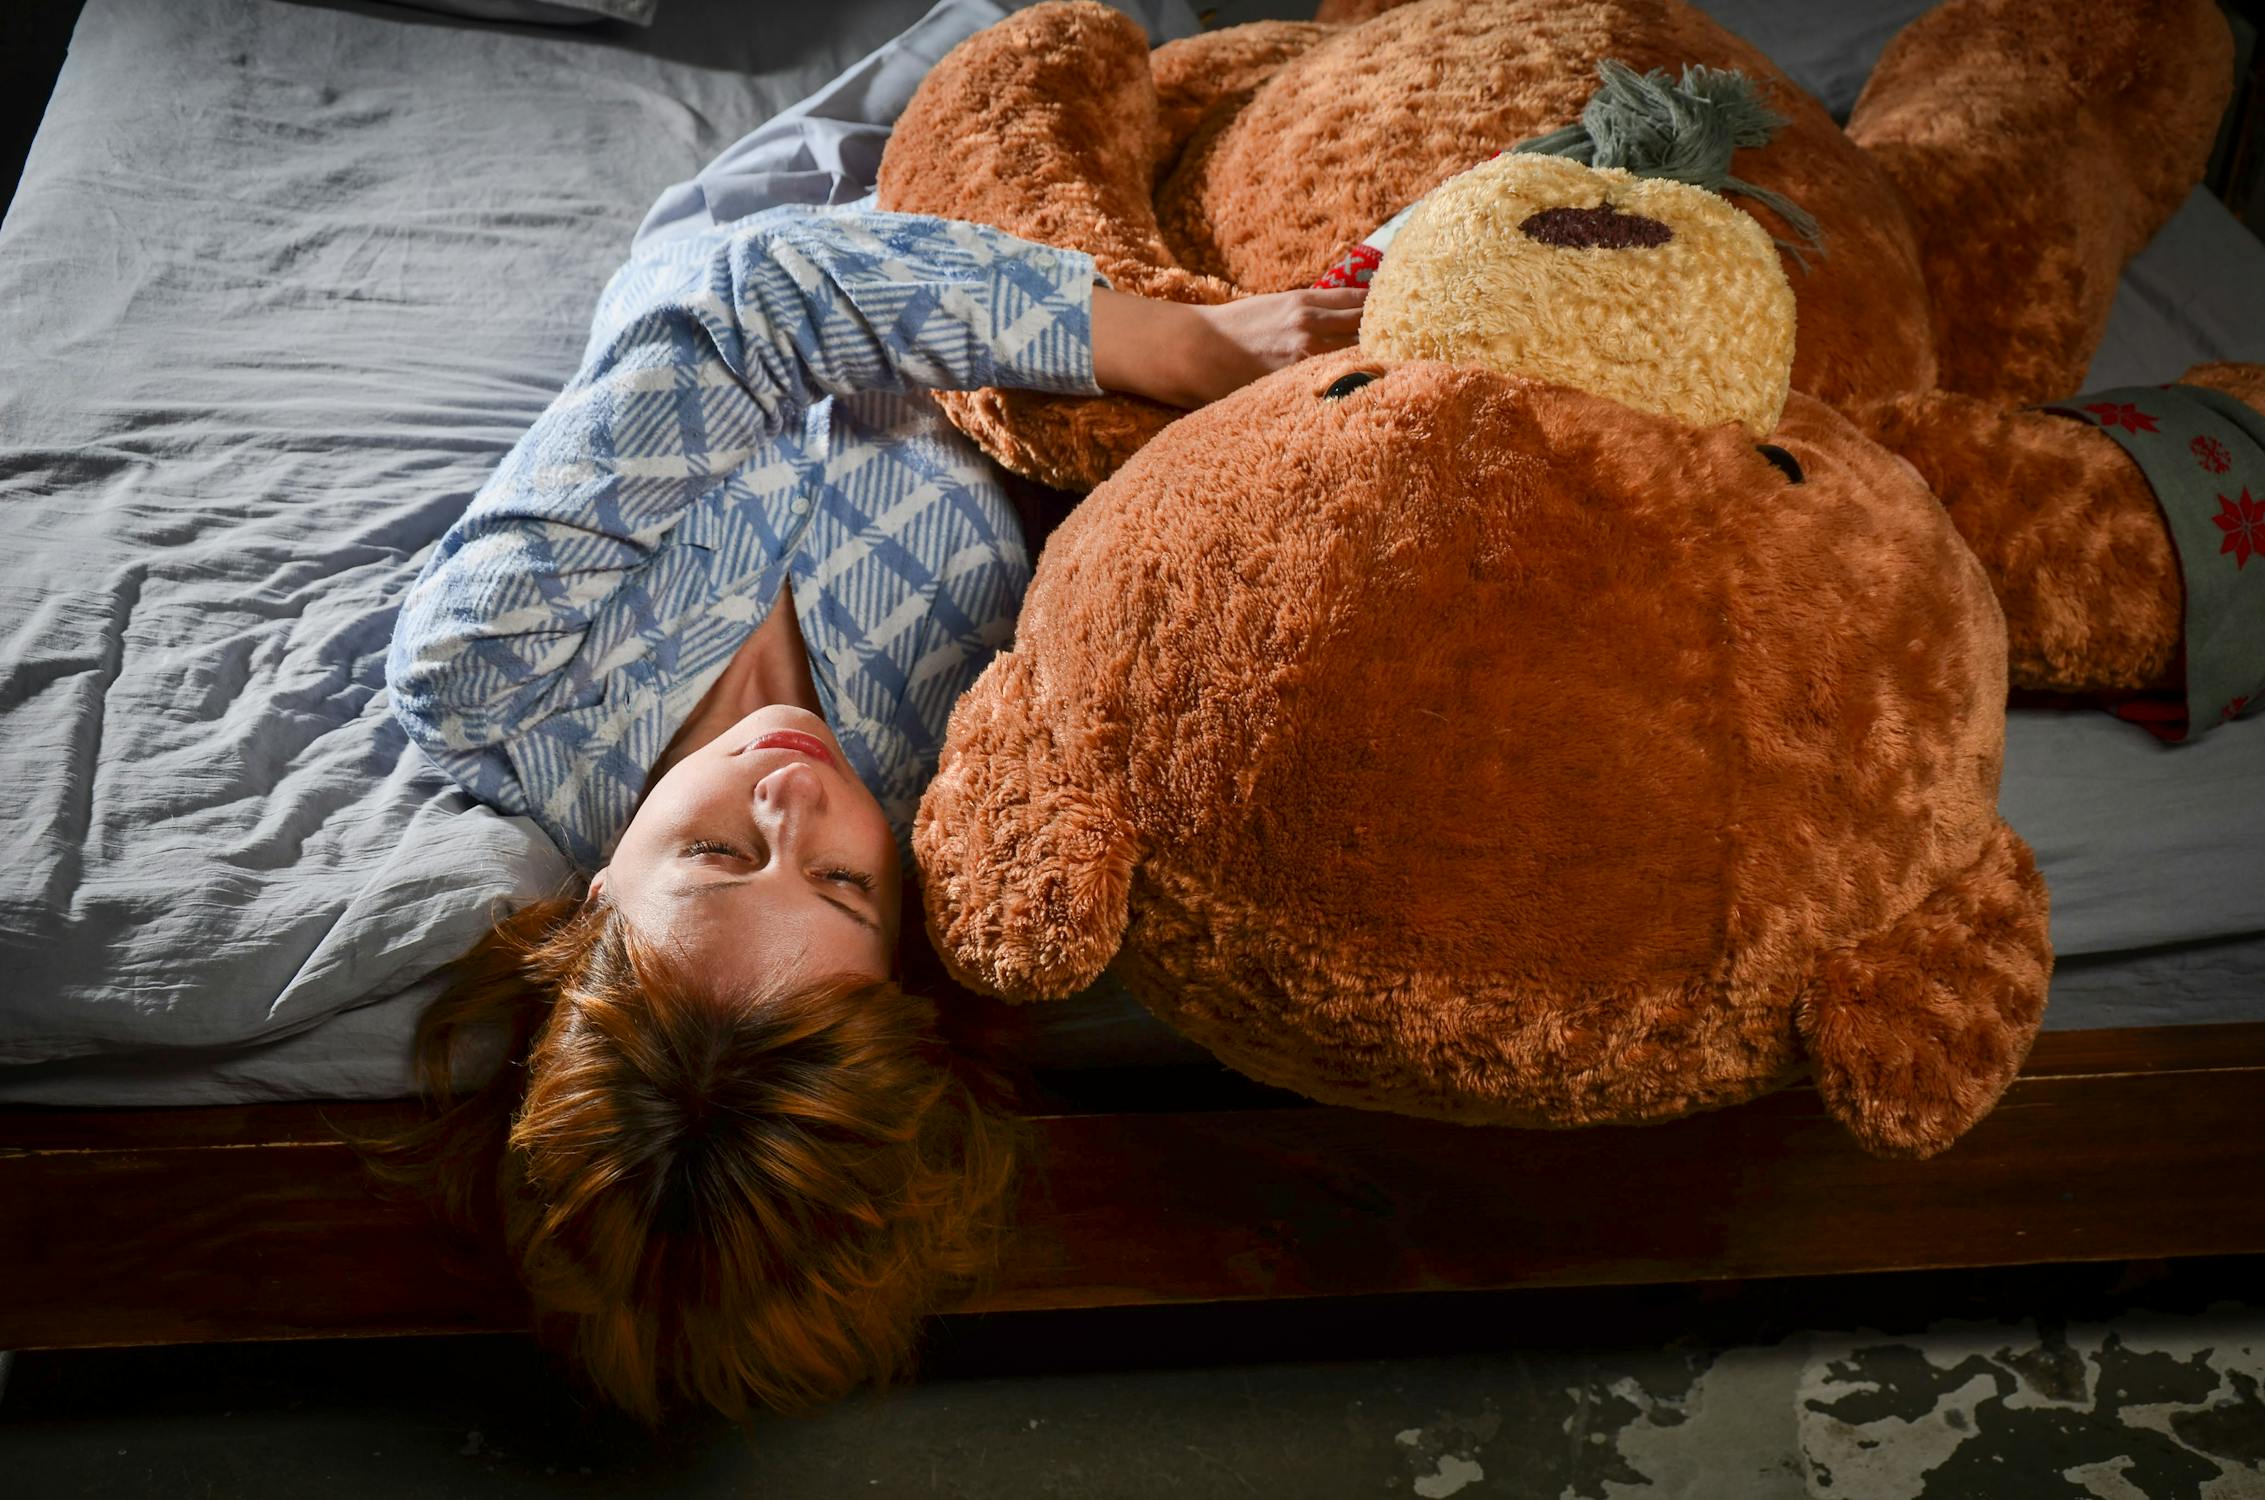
800, 507
1043, 261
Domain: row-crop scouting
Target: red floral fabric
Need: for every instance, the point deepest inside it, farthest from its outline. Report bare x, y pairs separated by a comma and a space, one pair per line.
2243, 522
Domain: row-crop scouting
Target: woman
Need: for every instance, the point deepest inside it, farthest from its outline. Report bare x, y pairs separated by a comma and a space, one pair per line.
705, 626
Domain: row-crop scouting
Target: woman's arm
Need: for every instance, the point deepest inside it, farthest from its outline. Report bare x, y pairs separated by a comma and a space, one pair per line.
703, 350
1185, 355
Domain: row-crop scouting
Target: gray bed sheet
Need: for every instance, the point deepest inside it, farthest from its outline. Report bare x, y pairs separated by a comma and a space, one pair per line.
278, 286
281, 284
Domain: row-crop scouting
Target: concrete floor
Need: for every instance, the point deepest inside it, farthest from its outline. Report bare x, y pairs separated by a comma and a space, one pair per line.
2105, 1382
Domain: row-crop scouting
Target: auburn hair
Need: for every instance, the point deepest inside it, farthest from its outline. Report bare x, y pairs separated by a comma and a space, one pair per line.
739, 1200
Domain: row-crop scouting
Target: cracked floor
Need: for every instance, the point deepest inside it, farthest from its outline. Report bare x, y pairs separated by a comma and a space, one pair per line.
2114, 1383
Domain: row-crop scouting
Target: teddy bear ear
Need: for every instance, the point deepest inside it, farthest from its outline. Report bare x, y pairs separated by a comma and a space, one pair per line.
1025, 864
1915, 1031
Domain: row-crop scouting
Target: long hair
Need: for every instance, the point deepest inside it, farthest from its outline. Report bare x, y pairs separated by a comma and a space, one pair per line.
738, 1200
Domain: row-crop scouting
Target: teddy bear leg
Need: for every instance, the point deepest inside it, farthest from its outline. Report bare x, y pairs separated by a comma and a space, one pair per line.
1202, 83
1045, 125
2065, 524
1915, 1031
2039, 144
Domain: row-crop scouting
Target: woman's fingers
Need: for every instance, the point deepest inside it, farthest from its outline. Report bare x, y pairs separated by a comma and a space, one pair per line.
1328, 318
1331, 316
1214, 348
1337, 304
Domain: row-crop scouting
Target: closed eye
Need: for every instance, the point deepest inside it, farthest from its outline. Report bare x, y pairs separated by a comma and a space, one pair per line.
858, 878
714, 846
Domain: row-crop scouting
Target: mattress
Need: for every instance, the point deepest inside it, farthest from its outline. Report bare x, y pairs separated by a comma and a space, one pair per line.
284, 281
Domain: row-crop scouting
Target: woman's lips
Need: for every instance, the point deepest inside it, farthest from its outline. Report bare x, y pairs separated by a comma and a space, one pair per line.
795, 740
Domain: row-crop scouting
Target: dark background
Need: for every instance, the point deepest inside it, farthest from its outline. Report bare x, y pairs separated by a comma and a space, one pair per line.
33, 37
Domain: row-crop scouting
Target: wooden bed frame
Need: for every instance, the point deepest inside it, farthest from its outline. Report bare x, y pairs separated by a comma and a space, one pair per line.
1180, 1185
1188, 1185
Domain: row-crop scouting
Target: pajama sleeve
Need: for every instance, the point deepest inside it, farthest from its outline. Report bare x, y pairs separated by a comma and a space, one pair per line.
703, 349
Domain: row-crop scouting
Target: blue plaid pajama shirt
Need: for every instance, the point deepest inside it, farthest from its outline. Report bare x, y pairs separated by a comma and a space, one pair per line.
747, 417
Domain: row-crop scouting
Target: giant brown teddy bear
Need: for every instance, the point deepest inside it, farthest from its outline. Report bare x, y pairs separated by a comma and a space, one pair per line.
1428, 737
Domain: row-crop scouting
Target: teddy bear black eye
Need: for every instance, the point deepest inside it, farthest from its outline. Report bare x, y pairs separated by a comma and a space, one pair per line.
1345, 385
1786, 463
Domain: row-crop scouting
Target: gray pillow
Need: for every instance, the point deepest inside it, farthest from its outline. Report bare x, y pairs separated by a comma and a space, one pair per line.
546, 12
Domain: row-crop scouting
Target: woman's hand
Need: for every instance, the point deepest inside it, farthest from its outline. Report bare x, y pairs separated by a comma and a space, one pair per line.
1186, 355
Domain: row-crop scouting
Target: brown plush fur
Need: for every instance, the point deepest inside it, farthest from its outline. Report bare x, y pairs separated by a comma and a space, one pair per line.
1480, 748
2066, 526
1392, 805
2037, 148
2005, 161
1914, 1032
1290, 183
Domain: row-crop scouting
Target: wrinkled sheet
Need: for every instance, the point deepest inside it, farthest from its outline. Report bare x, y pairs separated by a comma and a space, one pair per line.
282, 283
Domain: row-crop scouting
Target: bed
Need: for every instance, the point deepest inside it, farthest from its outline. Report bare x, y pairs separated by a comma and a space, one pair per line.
281, 283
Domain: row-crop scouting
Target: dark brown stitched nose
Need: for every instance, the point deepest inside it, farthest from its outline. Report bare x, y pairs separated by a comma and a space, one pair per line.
1601, 228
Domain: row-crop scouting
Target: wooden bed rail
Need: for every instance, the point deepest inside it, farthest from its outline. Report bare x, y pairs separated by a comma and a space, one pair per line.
258, 1222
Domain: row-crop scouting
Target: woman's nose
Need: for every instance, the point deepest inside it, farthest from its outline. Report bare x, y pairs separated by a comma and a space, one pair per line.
791, 792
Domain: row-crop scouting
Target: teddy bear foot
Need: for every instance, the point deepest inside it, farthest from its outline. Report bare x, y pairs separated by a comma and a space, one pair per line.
1915, 1031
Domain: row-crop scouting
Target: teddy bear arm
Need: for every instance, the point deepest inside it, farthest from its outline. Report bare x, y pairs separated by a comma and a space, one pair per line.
2063, 522
2245, 383
1915, 1031
1044, 125
1047, 125
2037, 146
1065, 442
1026, 871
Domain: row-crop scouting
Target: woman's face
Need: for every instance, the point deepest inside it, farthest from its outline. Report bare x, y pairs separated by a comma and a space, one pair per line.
761, 861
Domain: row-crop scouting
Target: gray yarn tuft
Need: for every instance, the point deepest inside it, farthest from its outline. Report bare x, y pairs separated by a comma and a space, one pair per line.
1683, 130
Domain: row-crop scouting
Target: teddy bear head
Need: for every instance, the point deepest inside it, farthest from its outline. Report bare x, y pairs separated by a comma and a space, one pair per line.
1250, 159
2004, 162
1427, 734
